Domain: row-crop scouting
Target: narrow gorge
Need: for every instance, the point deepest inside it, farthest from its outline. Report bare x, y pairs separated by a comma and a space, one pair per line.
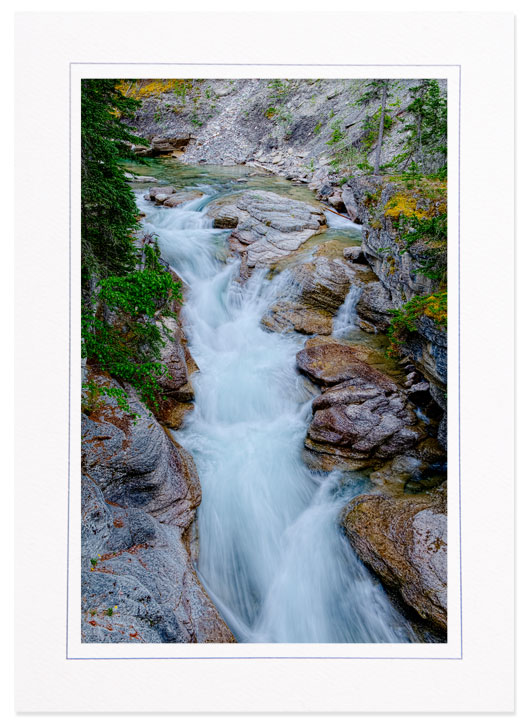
268, 463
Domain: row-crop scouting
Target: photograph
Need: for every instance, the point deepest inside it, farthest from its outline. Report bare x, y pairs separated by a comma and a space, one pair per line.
263, 360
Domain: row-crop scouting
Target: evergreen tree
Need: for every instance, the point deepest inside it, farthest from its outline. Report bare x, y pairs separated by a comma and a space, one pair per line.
427, 130
109, 212
375, 125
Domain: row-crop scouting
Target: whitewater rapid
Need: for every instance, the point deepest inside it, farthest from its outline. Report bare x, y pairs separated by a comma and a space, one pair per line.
272, 554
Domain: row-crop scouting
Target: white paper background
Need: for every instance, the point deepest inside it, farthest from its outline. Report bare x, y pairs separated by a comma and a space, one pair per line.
482, 680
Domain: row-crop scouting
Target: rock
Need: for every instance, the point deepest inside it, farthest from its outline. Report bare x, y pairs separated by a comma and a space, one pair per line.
174, 401
355, 255
164, 190
410, 473
332, 363
428, 350
291, 315
181, 197
322, 283
134, 179
313, 293
350, 204
442, 431
336, 200
270, 226
138, 584
363, 424
226, 217
140, 491
363, 416
136, 464
375, 305
404, 541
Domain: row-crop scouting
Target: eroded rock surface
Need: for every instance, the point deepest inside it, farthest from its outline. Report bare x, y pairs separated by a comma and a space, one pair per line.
362, 414
269, 226
168, 196
404, 541
313, 293
140, 491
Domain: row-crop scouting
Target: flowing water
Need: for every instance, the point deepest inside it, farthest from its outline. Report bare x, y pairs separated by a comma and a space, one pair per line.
272, 554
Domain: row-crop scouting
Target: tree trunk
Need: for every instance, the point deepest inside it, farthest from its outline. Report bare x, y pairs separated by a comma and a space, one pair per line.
381, 129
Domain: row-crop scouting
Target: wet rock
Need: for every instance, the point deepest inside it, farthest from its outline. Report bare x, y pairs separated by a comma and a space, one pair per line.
375, 305
269, 226
226, 218
289, 315
332, 363
160, 190
134, 179
140, 491
404, 541
181, 197
362, 414
313, 294
323, 283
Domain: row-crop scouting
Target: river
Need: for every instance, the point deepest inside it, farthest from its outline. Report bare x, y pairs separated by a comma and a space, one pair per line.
272, 554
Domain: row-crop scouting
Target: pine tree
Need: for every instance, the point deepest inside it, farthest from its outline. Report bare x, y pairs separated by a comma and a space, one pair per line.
109, 212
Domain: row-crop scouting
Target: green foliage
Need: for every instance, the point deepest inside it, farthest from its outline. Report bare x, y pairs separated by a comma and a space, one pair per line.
109, 212
433, 232
337, 133
120, 336
371, 128
427, 128
373, 92
405, 319
318, 127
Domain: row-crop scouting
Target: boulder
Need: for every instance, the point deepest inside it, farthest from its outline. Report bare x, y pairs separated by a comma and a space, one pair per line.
374, 306
182, 197
313, 293
350, 204
269, 226
404, 541
330, 363
355, 255
336, 200
361, 415
156, 190
287, 315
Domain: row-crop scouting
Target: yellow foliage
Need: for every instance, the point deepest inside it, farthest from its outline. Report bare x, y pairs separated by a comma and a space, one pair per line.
403, 203
145, 88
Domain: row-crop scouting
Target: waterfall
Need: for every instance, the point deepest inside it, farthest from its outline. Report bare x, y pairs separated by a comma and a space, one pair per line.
272, 553
346, 317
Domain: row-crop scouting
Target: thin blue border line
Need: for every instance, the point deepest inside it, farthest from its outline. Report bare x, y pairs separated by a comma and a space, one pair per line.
69, 383
309, 65
285, 65
459, 370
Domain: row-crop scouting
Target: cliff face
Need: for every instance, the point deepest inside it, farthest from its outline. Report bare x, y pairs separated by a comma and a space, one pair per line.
304, 128
400, 267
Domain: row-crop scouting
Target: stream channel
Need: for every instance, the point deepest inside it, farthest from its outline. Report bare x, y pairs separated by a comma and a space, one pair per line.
272, 554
